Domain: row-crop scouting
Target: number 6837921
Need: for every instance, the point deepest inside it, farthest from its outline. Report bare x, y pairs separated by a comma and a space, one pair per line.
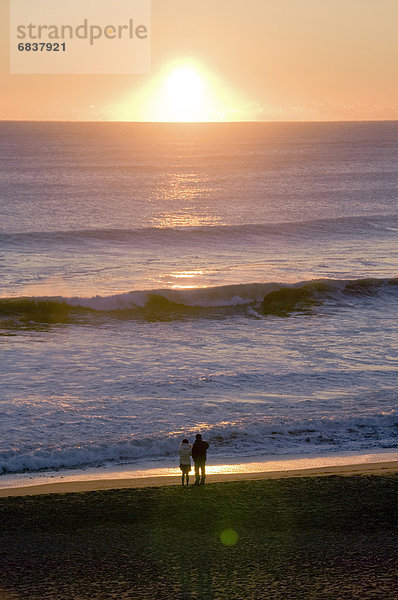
42, 47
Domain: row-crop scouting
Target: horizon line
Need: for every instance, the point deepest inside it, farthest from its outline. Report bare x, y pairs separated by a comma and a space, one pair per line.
393, 120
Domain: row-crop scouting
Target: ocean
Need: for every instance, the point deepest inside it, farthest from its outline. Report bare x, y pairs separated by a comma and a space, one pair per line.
158, 280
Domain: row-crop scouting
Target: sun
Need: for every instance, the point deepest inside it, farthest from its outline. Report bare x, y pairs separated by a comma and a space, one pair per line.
184, 94
183, 91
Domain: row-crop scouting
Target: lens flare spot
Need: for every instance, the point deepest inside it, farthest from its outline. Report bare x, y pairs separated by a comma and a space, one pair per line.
229, 537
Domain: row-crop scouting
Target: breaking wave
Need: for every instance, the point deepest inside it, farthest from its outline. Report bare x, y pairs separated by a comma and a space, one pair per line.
259, 437
252, 299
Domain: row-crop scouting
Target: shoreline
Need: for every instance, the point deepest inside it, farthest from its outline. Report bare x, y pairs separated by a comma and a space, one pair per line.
342, 465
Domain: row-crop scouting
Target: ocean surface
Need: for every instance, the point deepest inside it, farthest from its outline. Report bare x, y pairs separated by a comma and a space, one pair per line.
163, 279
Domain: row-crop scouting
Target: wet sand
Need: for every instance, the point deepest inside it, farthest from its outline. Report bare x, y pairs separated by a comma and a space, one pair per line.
317, 535
92, 484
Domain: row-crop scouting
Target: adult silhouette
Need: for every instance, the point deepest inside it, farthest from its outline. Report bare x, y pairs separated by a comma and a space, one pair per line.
185, 452
199, 450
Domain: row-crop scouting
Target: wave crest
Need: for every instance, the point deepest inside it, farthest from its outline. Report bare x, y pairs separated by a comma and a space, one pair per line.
278, 299
258, 437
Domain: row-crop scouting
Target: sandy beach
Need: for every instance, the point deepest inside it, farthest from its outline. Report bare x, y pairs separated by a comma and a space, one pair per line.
326, 533
234, 473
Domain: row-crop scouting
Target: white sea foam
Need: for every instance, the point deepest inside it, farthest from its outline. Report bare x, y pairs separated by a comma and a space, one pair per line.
231, 295
248, 438
236, 295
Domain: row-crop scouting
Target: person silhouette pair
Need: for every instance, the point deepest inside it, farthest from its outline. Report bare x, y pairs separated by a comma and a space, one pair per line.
199, 454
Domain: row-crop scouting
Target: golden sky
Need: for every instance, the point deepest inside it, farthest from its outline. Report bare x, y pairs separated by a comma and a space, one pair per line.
246, 59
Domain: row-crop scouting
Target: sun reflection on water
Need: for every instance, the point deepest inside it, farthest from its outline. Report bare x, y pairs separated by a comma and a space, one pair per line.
186, 217
184, 274
184, 287
189, 194
185, 279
